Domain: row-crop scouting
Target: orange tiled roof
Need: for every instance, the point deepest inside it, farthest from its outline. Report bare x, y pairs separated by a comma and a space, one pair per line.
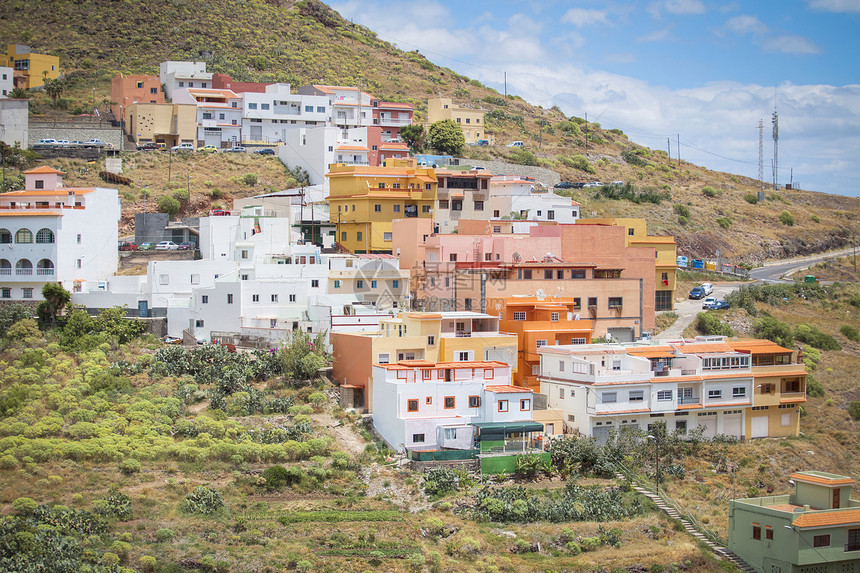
44, 170
352, 147
426, 316
828, 518
689, 406
61, 192
727, 375
22, 213
705, 347
759, 347
507, 389
822, 479
651, 353
792, 400
634, 411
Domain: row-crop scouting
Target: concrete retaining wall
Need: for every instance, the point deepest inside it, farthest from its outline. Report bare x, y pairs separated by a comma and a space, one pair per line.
546, 176
58, 130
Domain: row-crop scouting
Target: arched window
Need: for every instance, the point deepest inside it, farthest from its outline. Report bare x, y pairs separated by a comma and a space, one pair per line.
5, 237
45, 268
24, 236
5, 267
23, 267
45, 236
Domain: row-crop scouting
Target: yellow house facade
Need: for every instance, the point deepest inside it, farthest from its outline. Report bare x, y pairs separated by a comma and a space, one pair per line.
30, 69
364, 200
470, 120
667, 255
167, 123
432, 337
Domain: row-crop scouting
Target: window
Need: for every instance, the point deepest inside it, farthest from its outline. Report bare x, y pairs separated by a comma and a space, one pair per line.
204, 299
28, 292
527, 274
229, 298
456, 205
383, 359
372, 284
78, 264
153, 90
540, 343
315, 283
550, 215
503, 405
6, 237
853, 540
768, 531
309, 108
264, 106
464, 356
609, 397
431, 341
739, 392
663, 395
162, 279
418, 438
386, 236
560, 366
395, 284
244, 253
821, 541
358, 236
6, 293
443, 203
252, 106
377, 208
24, 236
79, 239
274, 298
577, 274
396, 208
182, 84
553, 316
450, 402
343, 235
525, 405
359, 283
547, 274
474, 401
336, 284
468, 304
292, 298
424, 208
45, 236
497, 228
636, 395
320, 109
452, 257
592, 301
412, 405
479, 205
715, 394
615, 302
756, 532
198, 323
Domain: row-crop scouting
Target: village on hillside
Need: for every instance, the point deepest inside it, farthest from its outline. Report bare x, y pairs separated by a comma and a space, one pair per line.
471, 314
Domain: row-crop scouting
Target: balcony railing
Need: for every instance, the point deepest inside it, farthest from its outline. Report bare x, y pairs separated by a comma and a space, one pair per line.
689, 400
5, 272
23, 271
391, 121
45, 272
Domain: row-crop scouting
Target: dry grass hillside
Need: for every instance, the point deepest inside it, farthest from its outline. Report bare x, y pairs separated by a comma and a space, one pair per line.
305, 41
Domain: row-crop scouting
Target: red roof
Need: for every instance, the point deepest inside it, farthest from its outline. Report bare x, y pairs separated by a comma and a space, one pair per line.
44, 170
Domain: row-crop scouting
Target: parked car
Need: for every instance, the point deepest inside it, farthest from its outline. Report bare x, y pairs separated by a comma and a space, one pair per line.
592, 185
172, 340
697, 293
187, 246
183, 147
516, 144
96, 143
207, 149
708, 288
578, 184
146, 247
166, 246
149, 146
235, 149
47, 142
76, 143
266, 151
126, 246
61, 143
219, 213
564, 185
721, 304
709, 301
483, 142
618, 183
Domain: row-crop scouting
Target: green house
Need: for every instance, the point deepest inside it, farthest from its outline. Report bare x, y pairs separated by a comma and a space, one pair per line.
814, 530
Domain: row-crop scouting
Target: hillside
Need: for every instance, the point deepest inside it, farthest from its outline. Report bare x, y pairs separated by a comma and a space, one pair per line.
305, 41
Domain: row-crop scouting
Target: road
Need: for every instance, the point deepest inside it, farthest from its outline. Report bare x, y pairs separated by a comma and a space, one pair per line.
773, 272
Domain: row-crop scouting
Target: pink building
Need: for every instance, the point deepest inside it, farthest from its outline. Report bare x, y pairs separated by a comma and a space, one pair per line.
391, 116
225, 82
126, 90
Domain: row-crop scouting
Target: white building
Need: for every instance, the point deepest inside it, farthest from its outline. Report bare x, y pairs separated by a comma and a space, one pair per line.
349, 106
314, 149
7, 83
51, 233
270, 115
601, 387
433, 405
219, 115
15, 122
178, 75
512, 194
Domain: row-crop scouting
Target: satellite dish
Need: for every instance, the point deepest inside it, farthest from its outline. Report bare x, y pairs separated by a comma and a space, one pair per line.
540, 294
517, 257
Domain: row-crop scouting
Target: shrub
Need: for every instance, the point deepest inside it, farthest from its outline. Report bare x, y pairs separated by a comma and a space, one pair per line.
709, 325
440, 481
724, 222
815, 218
682, 210
786, 218
814, 388
115, 504
710, 192
164, 534
148, 563
203, 500
279, 476
751, 198
129, 466
854, 410
633, 158
683, 221
590, 543
523, 157
850, 332
773, 330
24, 506
249, 179
580, 162
814, 337
573, 548
169, 205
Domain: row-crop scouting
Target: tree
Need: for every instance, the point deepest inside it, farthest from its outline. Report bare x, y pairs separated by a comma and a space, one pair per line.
169, 205
54, 88
414, 136
446, 137
56, 299
19, 93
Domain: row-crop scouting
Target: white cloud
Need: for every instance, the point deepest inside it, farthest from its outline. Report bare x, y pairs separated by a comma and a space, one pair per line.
685, 7
584, 17
786, 44
839, 6
746, 24
791, 45
656, 35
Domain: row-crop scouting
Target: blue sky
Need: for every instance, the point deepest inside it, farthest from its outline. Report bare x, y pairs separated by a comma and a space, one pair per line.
657, 69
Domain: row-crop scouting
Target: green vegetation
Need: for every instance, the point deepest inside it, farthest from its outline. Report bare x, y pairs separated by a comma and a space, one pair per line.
724, 222
710, 192
850, 332
169, 205
446, 137
577, 162
681, 210
854, 410
751, 198
709, 324
629, 193
786, 218
334, 516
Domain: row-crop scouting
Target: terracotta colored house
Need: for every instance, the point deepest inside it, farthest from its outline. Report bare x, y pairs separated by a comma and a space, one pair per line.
126, 90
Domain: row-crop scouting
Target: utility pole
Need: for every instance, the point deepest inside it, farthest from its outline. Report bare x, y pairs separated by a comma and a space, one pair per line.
586, 132
760, 160
668, 148
775, 121
679, 150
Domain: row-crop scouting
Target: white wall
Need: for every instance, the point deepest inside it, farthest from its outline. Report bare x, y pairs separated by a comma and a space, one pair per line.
312, 149
6, 81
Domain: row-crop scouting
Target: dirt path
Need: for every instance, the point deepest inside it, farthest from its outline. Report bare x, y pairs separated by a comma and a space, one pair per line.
345, 436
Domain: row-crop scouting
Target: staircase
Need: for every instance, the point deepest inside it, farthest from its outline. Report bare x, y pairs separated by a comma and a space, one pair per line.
710, 540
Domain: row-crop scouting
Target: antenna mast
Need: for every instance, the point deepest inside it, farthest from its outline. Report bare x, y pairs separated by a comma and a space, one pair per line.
760, 156
775, 148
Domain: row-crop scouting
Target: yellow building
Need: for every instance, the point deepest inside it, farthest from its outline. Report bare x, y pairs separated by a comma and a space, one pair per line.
167, 123
667, 255
471, 121
30, 69
432, 337
364, 200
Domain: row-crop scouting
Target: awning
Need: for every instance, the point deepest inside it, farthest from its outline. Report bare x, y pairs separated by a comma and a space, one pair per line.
498, 430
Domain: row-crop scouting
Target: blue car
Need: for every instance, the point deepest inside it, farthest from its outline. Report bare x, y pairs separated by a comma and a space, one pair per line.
697, 293
720, 305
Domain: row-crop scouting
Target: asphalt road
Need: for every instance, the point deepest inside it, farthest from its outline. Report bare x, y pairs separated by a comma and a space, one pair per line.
774, 272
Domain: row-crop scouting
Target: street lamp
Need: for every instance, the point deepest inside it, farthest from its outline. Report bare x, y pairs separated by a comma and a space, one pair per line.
656, 462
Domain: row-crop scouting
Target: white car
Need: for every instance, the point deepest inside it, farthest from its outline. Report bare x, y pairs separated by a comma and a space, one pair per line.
516, 144
183, 147
708, 288
96, 143
166, 246
709, 301
46, 143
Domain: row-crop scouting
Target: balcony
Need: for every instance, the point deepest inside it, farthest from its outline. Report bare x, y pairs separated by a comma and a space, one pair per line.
20, 272
391, 122
689, 400
6, 271
44, 272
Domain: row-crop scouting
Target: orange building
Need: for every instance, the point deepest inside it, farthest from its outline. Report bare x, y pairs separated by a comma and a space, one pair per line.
126, 90
537, 323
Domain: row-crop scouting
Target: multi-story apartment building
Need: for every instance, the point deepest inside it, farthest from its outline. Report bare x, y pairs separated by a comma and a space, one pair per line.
666, 263
226, 82
470, 120
516, 195
52, 233
350, 107
434, 337
815, 529
460, 194
429, 405
391, 117
539, 322
705, 382
219, 115
29, 68
15, 122
126, 90
167, 123
363, 201
7, 83
269, 115
180, 75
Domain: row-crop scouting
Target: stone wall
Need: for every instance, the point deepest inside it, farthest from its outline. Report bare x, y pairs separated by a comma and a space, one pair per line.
129, 259
75, 131
547, 177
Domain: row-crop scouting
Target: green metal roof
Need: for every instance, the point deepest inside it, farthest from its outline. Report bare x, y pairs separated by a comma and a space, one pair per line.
509, 427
